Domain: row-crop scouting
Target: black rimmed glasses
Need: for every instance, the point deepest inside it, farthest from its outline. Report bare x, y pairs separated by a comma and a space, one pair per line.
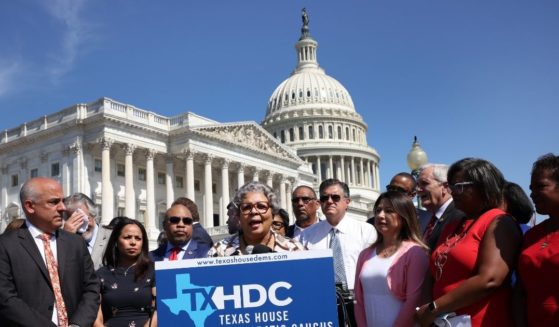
277, 225
185, 220
305, 199
334, 197
458, 188
261, 207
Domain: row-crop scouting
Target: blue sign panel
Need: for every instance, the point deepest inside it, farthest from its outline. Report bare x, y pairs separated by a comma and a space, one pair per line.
263, 290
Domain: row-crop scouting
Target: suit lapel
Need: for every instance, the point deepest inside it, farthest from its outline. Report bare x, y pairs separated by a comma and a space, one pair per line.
61, 253
191, 250
28, 243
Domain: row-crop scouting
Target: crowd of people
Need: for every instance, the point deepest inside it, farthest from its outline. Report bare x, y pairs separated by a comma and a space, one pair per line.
465, 253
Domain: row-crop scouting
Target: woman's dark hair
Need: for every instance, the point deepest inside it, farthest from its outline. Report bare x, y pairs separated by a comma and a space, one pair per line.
548, 162
517, 202
485, 176
112, 255
284, 217
404, 207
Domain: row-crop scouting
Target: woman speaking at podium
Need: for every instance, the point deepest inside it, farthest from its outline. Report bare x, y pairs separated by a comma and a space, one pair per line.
256, 204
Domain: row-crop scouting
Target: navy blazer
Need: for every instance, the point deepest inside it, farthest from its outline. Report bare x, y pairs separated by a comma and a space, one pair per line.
193, 251
201, 235
26, 296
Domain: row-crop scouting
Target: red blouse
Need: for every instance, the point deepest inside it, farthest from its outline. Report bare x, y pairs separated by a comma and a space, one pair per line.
455, 260
538, 269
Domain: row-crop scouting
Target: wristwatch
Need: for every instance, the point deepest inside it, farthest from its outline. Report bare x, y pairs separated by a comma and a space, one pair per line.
432, 306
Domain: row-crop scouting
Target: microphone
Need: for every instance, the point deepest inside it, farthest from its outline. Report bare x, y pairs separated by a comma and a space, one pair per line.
261, 248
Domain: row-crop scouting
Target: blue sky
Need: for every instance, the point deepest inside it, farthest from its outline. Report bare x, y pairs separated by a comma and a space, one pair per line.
469, 78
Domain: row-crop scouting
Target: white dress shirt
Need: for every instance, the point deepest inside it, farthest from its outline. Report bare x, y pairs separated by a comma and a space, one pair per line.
354, 237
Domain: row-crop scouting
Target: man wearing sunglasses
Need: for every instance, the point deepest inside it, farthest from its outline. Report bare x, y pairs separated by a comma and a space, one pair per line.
178, 226
305, 206
403, 182
346, 237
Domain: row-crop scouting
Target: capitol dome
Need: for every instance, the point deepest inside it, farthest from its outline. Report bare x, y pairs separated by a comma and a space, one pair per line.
314, 114
308, 85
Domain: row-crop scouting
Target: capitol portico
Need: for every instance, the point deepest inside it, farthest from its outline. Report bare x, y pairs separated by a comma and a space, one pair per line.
135, 162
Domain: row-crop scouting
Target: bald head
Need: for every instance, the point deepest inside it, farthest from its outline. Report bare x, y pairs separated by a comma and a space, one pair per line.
403, 182
42, 201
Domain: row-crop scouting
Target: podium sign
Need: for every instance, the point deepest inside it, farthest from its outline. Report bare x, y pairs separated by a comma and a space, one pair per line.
294, 289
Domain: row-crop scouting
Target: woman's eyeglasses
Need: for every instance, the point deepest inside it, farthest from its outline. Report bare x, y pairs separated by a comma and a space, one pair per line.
277, 224
261, 207
334, 197
185, 220
458, 188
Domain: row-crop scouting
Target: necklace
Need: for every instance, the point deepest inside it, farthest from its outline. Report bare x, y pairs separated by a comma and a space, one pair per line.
126, 270
451, 241
388, 250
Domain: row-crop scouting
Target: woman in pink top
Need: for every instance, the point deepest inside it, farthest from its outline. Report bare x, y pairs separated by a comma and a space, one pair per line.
390, 274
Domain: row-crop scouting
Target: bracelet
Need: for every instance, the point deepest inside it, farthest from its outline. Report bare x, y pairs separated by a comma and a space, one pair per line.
432, 306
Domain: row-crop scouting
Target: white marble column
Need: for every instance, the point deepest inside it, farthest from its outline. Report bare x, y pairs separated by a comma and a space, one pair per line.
377, 176
362, 172
256, 176
270, 179
353, 177
169, 182
283, 197
319, 169
369, 183
129, 192
224, 191
107, 205
289, 207
331, 169
66, 180
343, 177
190, 175
3, 196
151, 214
208, 196
77, 173
241, 175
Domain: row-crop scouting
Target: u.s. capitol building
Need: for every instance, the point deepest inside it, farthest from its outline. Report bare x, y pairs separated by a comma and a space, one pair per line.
135, 162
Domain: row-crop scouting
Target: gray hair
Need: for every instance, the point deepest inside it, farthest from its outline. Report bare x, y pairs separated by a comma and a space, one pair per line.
73, 201
257, 187
440, 171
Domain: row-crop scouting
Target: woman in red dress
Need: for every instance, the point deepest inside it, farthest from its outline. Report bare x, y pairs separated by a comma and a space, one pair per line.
537, 291
472, 263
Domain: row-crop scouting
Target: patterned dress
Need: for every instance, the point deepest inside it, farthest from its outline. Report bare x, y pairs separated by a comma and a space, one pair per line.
125, 302
232, 245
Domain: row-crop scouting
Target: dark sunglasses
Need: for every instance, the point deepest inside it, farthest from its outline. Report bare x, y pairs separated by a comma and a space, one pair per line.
392, 188
185, 220
305, 199
334, 197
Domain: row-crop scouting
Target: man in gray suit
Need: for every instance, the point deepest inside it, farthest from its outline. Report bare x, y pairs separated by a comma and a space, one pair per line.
79, 207
434, 193
46, 273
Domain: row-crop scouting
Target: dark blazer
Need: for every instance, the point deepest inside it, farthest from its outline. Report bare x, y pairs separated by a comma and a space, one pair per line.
26, 296
193, 251
290, 231
201, 235
449, 215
